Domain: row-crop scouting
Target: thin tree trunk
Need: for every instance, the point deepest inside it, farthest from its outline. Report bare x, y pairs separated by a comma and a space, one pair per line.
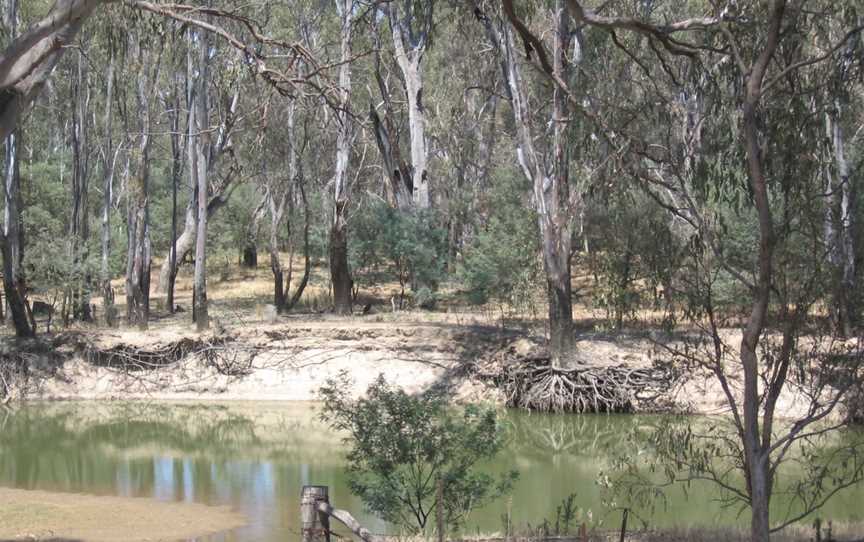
250, 249
79, 223
307, 256
109, 156
177, 167
277, 213
840, 231
756, 444
199, 153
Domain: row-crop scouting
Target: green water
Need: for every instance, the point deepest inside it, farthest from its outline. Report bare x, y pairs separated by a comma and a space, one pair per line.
256, 456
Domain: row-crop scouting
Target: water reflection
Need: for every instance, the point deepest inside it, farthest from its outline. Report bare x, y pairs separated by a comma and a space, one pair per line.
256, 456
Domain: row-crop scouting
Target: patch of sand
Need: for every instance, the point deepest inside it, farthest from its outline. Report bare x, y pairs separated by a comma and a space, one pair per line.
68, 517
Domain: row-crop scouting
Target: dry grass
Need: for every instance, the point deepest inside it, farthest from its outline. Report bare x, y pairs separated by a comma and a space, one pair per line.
838, 532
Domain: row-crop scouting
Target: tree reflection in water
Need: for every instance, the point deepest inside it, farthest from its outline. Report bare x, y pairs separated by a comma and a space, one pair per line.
256, 456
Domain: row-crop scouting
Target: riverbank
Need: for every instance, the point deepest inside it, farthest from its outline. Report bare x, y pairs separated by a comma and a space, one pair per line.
289, 358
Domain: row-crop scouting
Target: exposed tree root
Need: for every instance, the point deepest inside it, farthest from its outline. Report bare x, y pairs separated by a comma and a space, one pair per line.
214, 350
537, 386
531, 383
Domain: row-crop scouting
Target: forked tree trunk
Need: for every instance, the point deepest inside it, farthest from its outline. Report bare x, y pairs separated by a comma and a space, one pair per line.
185, 242
549, 176
307, 253
410, 37
138, 219
30, 59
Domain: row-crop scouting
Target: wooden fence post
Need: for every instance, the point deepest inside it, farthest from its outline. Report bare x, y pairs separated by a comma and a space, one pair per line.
624, 524
315, 526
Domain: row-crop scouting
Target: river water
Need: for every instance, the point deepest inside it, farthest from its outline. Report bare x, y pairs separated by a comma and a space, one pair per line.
256, 457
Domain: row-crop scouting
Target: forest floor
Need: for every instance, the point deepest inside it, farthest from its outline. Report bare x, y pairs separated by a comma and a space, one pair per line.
67, 517
252, 354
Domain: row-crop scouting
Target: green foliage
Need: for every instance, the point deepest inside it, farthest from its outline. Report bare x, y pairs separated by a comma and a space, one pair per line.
632, 248
502, 263
411, 246
402, 444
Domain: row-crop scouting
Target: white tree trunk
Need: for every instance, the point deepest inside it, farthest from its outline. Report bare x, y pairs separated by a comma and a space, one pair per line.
199, 149
409, 56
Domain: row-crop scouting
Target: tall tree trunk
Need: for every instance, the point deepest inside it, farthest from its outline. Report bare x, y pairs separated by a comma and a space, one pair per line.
553, 200
199, 138
177, 151
79, 224
138, 218
109, 156
13, 241
17, 305
757, 444
550, 180
340, 274
841, 230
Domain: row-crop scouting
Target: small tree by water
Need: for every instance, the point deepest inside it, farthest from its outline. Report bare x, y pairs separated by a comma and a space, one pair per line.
402, 444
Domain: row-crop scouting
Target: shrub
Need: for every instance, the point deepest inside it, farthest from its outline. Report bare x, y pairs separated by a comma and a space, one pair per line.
402, 444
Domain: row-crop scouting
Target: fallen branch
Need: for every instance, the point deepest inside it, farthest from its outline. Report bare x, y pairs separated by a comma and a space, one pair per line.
348, 520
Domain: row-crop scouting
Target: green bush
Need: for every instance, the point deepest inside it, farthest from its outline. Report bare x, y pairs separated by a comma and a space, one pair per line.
411, 247
402, 444
502, 263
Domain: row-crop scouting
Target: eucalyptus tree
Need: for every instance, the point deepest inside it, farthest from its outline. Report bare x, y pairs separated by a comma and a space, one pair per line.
109, 154
722, 115
12, 238
148, 63
543, 154
340, 274
79, 222
200, 156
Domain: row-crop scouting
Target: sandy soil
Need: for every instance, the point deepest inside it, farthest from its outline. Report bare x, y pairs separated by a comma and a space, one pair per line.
65, 517
289, 361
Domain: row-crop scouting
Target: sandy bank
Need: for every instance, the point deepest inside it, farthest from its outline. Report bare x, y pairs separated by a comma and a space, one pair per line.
67, 517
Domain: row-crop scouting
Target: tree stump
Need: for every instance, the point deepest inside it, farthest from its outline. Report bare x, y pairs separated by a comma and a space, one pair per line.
315, 525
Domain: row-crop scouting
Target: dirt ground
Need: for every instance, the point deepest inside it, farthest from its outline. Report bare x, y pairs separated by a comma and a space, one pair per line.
66, 517
288, 357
